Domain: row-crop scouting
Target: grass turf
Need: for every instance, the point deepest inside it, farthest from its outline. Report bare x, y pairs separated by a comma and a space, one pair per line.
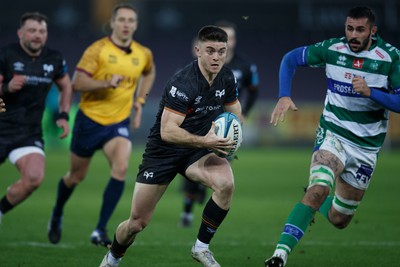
268, 184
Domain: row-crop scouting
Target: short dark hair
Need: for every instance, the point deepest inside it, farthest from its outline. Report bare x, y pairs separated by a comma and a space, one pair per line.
212, 33
33, 16
360, 12
122, 5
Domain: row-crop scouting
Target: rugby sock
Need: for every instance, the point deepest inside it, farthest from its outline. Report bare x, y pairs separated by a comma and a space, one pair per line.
326, 206
111, 196
63, 195
295, 226
211, 219
117, 250
187, 205
5, 205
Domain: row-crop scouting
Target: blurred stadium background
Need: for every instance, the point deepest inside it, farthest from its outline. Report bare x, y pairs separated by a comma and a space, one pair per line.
266, 30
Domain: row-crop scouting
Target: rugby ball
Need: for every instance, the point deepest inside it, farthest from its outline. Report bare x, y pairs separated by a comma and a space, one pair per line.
228, 124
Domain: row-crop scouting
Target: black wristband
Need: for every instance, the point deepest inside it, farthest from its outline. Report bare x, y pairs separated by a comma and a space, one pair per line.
62, 115
4, 88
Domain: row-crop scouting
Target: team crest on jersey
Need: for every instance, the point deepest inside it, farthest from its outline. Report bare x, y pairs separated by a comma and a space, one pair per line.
220, 93
47, 68
112, 59
135, 61
358, 63
374, 65
19, 66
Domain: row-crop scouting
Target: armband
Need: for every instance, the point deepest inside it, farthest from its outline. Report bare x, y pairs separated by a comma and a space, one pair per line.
62, 115
141, 100
4, 88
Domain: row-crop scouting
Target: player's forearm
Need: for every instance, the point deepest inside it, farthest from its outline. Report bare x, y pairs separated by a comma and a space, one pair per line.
81, 82
181, 137
145, 86
389, 101
65, 98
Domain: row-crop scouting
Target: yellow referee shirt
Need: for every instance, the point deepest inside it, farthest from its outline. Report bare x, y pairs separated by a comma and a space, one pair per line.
100, 61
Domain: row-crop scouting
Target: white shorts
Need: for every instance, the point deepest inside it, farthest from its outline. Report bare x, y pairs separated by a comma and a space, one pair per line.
359, 164
18, 153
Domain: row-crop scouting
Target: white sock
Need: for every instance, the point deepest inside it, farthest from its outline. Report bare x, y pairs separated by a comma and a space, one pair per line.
200, 246
112, 260
281, 253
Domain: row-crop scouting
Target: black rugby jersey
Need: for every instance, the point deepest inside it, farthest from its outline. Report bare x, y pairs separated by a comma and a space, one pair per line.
25, 107
189, 93
246, 74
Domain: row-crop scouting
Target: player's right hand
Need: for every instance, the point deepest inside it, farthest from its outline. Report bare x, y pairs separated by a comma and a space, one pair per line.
16, 83
284, 104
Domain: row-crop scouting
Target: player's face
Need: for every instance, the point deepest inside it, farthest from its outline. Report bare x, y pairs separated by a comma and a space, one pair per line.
33, 36
124, 25
358, 33
211, 55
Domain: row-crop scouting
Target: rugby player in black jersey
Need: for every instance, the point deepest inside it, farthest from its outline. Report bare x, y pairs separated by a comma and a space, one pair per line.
27, 71
181, 141
247, 79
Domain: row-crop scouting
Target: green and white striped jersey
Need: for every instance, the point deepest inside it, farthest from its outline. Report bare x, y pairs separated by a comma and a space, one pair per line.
357, 119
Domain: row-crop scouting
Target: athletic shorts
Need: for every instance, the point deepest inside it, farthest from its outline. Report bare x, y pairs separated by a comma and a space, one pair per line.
359, 163
160, 165
10, 144
89, 136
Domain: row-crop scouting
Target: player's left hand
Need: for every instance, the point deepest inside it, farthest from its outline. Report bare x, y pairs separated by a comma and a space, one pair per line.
360, 86
63, 124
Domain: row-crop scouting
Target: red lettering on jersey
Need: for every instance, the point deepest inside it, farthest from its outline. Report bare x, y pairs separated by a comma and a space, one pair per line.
379, 54
358, 63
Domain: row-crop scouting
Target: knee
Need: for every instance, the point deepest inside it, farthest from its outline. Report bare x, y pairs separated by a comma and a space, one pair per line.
135, 226
33, 179
225, 188
120, 169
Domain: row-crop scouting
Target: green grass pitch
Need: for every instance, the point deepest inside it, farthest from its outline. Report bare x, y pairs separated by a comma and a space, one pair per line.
268, 184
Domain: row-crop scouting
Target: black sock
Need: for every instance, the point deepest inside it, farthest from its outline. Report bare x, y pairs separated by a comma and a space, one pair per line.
111, 196
63, 195
211, 219
187, 205
118, 250
5, 205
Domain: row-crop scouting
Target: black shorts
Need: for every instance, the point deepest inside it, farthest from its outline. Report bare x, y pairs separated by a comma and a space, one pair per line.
89, 136
8, 144
160, 165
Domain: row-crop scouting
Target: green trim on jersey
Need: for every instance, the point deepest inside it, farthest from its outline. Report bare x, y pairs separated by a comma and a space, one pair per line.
363, 117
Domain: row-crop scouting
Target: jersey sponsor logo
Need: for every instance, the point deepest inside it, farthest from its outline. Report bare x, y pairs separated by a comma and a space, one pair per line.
148, 175
341, 60
344, 89
340, 47
220, 93
363, 174
19, 66
348, 75
207, 108
358, 63
176, 93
